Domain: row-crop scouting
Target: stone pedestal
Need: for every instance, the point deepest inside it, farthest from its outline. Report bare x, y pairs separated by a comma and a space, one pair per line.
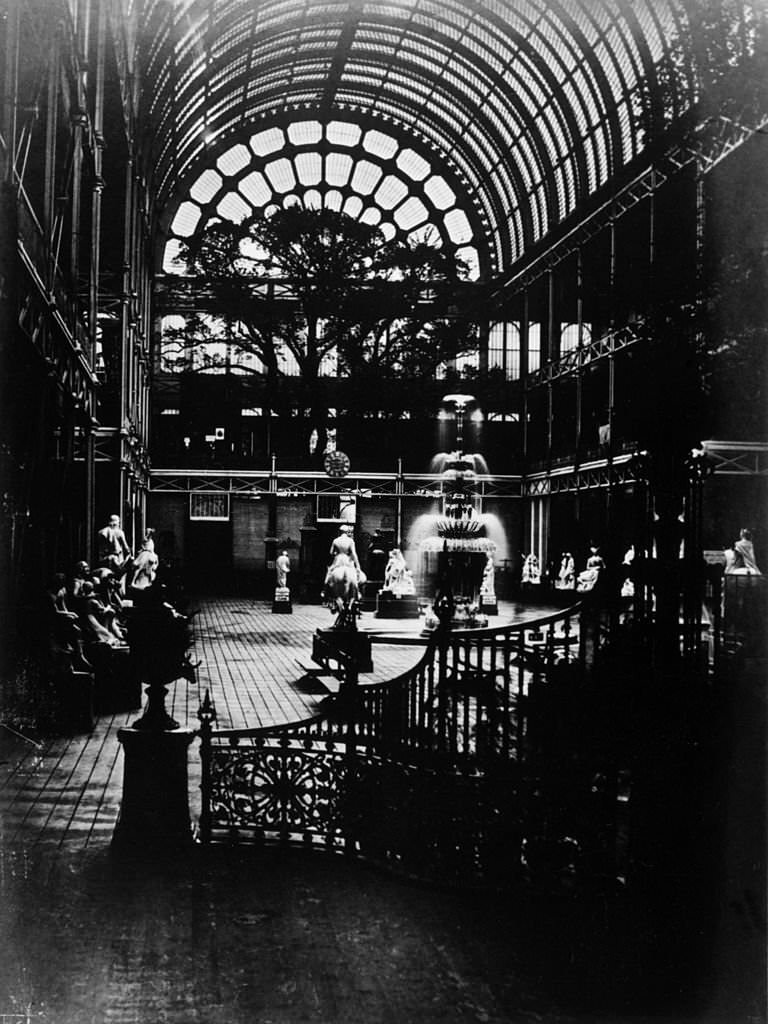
390, 606
154, 813
281, 604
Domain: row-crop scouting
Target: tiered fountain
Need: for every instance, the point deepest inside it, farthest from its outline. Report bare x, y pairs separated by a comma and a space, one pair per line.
460, 556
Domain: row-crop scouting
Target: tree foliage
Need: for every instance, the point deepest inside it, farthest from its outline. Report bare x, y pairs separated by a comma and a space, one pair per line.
306, 283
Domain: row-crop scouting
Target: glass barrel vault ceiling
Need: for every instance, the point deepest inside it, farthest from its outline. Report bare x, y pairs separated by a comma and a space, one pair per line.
520, 109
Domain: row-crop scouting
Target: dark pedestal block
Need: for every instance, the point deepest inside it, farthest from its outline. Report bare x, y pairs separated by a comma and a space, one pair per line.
390, 607
154, 813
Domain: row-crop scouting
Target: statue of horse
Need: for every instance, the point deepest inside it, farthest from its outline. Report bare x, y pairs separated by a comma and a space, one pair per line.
342, 592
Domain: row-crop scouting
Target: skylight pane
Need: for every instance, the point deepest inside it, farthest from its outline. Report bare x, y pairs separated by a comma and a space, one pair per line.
411, 214
353, 206
427, 234
366, 177
313, 200
388, 230
458, 227
309, 168
415, 166
338, 167
372, 215
255, 188
186, 220
234, 160
391, 192
341, 133
206, 186
269, 141
305, 132
469, 254
333, 199
280, 175
233, 207
171, 262
439, 192
379, 144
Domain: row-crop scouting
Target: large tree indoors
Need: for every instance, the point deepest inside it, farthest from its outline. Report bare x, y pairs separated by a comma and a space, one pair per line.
284, 302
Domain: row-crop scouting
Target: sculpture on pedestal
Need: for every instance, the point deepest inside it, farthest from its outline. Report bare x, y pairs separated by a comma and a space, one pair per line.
343, 579
282, 600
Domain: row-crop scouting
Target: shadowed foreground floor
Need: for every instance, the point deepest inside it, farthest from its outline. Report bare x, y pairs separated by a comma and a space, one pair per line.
264, 936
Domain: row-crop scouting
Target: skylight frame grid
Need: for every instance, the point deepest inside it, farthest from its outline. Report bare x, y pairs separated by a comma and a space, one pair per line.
436, 25
491, 46
232, 38
225, 75
504, 184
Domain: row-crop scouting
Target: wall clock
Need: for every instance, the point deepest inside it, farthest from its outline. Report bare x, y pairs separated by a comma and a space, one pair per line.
336, 464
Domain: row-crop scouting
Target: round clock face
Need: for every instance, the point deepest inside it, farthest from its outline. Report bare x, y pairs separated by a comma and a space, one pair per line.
336, 464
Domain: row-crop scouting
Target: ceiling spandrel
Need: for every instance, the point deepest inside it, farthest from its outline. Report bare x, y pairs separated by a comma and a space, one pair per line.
481, 124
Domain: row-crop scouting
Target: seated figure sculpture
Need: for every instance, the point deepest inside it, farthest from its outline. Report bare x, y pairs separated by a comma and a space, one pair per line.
740, 559
531, 570
398, 578
588, 577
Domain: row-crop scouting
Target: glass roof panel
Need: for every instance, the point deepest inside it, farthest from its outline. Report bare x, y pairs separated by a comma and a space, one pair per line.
366, 177
206, 186
390, 192
471, 257
353, 206
255, 188
171, 262
268, 141
411, 213
458, 227
280, 175
333, 199
413, 165
338, 167
388, 230
371, 215
313, 200
440, 192
303, 133
233, 207
379, 144
343, 133
309, 168
186, 220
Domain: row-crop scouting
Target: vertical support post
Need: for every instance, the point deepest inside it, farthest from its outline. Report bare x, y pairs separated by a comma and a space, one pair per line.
207, 716
349, 699
11, 89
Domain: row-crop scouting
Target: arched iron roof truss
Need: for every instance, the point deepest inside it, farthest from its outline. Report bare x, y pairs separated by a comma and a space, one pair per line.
524, 107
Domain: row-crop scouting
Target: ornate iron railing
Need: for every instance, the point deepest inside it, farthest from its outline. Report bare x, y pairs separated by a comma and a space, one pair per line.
468, 768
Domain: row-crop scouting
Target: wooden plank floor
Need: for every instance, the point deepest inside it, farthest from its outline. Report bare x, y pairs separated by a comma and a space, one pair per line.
65, 792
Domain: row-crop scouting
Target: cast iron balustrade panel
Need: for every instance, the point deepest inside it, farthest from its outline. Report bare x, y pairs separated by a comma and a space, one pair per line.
457, 771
